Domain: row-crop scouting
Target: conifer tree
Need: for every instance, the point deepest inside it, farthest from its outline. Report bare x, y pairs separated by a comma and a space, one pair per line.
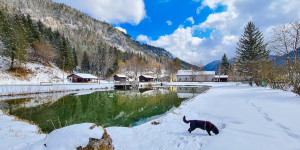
251, 48
75, 58
85, 63
224, 70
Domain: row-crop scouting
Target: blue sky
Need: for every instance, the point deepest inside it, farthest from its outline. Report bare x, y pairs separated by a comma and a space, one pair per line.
197, 31
159, 12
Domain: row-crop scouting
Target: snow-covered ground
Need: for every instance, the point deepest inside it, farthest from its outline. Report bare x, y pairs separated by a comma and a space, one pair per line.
247, 117
38, 81
38, 73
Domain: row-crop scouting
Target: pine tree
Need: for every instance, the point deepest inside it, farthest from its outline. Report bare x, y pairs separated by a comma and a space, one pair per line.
13, 36
224, 70
251, 48
75, 58
20, 37
85, 63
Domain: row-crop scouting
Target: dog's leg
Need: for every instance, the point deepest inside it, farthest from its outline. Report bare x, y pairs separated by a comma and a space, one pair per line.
191, 129
208, 131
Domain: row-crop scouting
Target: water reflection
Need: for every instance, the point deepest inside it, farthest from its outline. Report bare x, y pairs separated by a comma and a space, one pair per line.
109, 108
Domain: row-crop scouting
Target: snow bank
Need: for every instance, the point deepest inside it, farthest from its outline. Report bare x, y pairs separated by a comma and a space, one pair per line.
20, 135
17, 134
70, 137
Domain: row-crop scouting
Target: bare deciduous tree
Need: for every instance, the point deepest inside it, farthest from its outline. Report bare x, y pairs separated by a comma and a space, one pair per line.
286, 42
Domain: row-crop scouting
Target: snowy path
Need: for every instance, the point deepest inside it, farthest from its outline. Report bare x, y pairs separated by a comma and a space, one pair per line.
247, 117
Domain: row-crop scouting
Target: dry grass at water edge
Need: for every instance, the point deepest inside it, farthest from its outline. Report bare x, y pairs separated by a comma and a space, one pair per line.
5, 112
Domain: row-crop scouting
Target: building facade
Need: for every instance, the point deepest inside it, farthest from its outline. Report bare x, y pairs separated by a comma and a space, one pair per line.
195, 76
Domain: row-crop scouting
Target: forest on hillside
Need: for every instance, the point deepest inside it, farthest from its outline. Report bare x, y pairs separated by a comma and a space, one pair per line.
25, 39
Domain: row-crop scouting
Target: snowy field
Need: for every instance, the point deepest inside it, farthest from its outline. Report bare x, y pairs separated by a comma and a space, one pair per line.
247, 117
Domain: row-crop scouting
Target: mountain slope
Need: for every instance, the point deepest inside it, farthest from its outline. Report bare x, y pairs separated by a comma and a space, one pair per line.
84, 32
214, 65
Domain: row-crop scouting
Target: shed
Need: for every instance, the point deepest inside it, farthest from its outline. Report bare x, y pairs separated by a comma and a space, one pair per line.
83, 78
146, 78
221, 78
120, 77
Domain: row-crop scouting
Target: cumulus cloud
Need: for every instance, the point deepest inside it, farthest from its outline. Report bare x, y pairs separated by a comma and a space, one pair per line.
169, 22
191, 20
112, 11
121, 29
143, 38
181, 43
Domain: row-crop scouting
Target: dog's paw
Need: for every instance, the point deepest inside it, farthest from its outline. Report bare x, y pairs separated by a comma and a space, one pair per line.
155, 122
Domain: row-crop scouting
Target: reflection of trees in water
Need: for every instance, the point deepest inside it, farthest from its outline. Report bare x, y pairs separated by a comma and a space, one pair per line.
100, 107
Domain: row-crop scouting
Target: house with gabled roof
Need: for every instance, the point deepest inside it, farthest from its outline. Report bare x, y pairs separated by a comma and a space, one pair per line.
146, 78
83, 78
120, 77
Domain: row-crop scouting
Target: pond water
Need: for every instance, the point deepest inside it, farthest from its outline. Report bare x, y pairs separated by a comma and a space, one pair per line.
107, 108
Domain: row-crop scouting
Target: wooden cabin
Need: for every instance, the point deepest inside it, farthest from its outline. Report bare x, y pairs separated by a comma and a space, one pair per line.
120, 77
146, 78
83, 78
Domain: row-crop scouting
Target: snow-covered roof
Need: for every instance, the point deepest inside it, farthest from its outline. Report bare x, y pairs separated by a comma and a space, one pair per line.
147, 76
121, 75
221, 76
191, 72
86, 76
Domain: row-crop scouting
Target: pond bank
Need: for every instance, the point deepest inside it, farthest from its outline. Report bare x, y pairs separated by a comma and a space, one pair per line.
10, 90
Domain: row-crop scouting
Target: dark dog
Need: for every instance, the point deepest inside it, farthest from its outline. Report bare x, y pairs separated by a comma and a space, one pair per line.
204, 125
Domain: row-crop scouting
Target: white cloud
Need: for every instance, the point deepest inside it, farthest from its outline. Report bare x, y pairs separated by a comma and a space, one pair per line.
112, 11
121, 29
181, 43
143, 38
191, 20
169, 22
227, 39
198, 10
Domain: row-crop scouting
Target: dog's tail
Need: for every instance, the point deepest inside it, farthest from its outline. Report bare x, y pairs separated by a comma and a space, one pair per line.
184, 120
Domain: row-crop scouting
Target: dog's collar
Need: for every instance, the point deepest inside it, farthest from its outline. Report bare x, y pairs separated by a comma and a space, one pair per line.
209, 125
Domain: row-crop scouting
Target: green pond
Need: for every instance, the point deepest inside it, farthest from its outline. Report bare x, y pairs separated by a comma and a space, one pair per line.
107, 108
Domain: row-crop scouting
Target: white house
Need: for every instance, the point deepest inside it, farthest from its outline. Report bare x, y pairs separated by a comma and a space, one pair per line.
195, 76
